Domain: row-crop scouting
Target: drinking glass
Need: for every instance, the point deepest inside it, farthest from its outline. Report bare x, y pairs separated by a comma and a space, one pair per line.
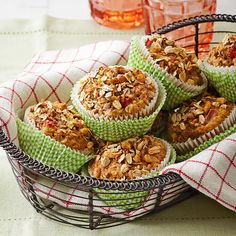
120, 14
158, 13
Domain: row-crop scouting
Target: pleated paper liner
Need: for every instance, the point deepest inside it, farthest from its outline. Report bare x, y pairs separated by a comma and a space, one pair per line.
223, 79
48, 151
177, 91
191, 144
132, 199
207, 144
117, 130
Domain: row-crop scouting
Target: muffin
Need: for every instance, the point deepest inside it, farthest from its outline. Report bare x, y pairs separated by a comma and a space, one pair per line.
220, 67
194, 123
55, 134
134, 158
177, 69
130, 159
118, 102
174, 60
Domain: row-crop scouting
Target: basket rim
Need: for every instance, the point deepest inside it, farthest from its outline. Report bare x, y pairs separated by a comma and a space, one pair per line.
39, 168
159, 181
196, 20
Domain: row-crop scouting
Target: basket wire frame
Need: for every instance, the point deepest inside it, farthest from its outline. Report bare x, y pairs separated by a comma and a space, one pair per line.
162, 191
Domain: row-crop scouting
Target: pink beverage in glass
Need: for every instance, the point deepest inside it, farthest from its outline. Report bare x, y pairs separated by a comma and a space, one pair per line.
158, 13
120, 14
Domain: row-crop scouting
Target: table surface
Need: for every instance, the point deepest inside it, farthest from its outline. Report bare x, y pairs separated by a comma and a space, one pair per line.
19, 41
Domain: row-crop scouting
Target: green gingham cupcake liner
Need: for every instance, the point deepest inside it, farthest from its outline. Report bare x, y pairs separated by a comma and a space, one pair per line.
177, 91
48, 151
223, 79
117, 130
191, 144
207, 144
129, 199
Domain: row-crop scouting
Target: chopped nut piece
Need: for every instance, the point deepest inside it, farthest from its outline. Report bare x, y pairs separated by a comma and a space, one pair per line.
216, 104
178, 117
122, 158
201, 119
207, 106
198, 112
140, 145
224, 106
137, 158
124, 168
128, 158
174, 118
105, 161
148, 158
116, 104
182, 126
154, 150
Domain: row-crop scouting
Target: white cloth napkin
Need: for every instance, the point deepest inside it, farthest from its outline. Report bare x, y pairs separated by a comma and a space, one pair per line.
51, 76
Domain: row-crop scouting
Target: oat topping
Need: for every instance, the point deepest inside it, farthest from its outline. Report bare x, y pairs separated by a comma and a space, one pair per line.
116, 91
224, 54
129, 159
198, 117
62, 123
174, 59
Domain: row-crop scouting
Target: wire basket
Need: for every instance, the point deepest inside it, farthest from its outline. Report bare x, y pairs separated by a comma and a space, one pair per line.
92, 203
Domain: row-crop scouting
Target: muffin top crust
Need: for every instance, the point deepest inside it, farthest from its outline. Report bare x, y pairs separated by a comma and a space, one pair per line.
130, 159
174, 59
62, 123
117, 91
224, 54
197, 117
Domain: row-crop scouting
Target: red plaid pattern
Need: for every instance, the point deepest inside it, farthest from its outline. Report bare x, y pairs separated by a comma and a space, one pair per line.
212, 172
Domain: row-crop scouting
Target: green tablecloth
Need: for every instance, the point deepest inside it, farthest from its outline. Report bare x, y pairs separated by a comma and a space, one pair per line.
19, 41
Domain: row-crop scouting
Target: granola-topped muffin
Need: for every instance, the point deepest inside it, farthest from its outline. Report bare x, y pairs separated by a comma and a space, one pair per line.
118, 102
219, 66
174, 59
169, 63
62, 123
199, 120
118, 92
224, 54
130, 159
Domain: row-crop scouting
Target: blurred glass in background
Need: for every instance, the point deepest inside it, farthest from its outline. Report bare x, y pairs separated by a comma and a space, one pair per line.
120, 14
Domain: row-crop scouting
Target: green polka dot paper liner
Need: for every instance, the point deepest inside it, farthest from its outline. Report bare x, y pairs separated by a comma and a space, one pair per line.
49, 151
117, 130
223, 79
177, 91
129, 199
206, 144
